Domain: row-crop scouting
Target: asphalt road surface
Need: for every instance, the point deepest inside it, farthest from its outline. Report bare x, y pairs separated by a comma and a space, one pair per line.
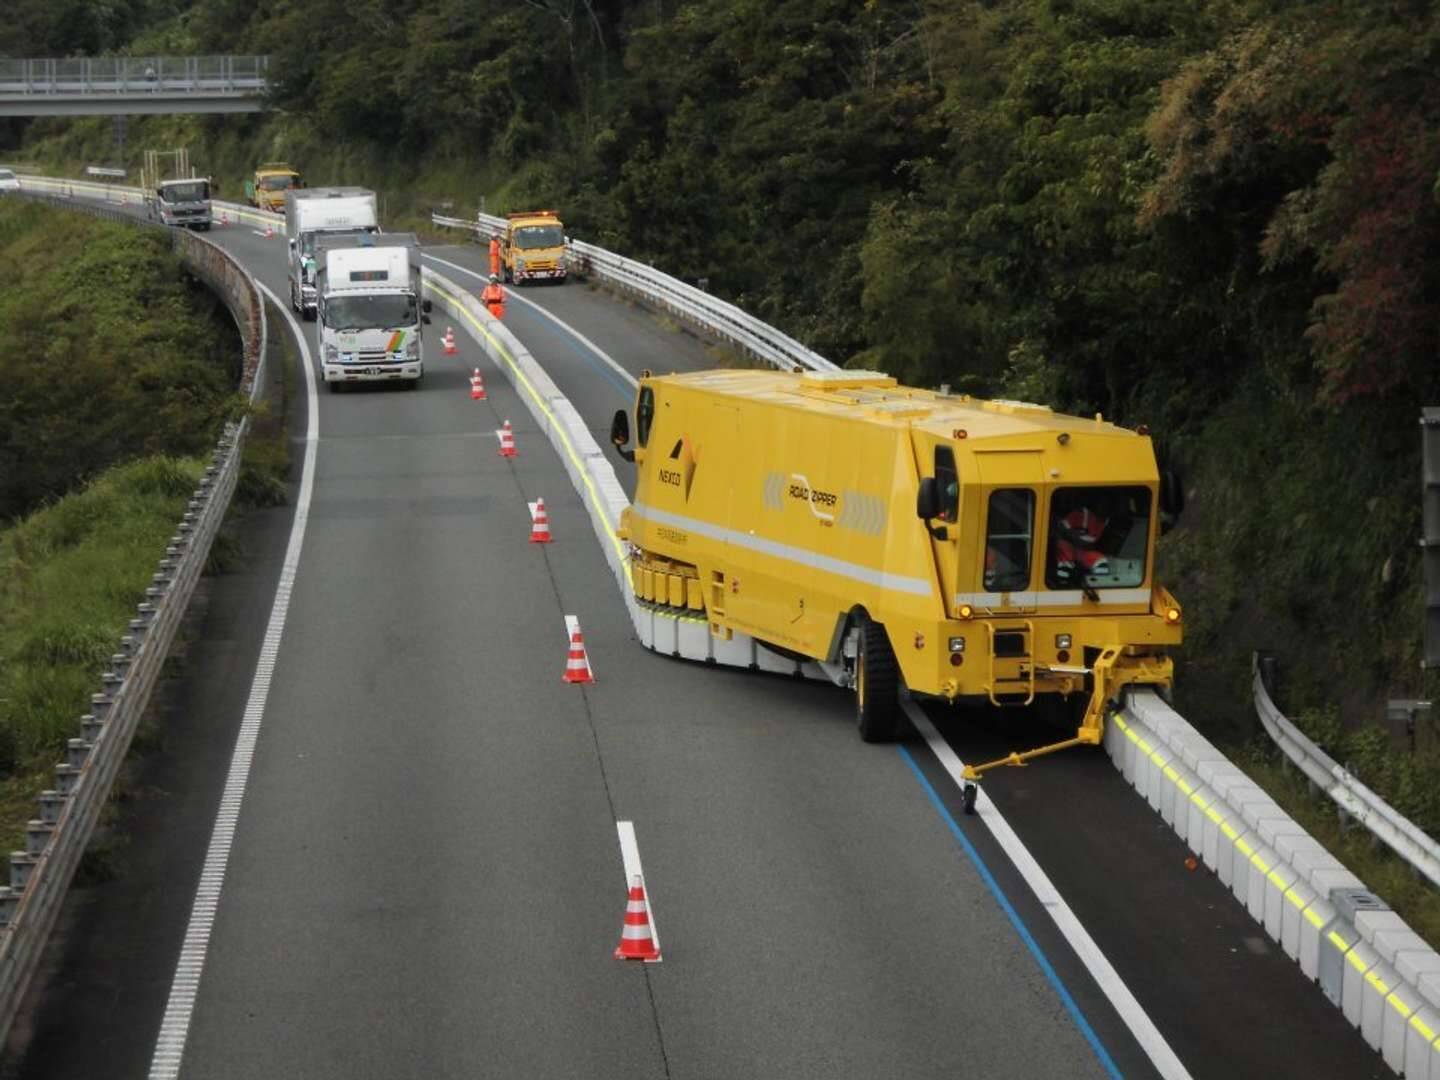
426, 879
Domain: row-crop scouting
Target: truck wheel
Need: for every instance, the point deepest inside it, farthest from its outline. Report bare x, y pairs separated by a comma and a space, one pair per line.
877, 685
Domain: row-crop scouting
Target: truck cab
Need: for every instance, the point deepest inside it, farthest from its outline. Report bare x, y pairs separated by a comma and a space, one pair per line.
181, 202
266, 190
532, 247
370, 311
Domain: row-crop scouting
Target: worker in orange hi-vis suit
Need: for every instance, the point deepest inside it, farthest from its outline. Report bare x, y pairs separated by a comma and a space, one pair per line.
494, 297
494, 256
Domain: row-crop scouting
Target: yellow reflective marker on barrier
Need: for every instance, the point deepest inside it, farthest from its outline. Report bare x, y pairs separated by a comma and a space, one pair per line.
1317, 922
1354, 958
1423, 1028
1399, 1005
580, 469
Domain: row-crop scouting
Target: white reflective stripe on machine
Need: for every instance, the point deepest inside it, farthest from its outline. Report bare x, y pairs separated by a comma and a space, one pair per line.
895, 582
1066, 598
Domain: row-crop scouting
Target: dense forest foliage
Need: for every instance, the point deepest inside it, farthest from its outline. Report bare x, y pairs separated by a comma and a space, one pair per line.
1217, 217
111, 352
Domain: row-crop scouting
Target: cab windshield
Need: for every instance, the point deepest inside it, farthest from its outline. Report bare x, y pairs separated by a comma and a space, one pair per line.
197, 191
276, 183
1098, 537
539, 236
390, 312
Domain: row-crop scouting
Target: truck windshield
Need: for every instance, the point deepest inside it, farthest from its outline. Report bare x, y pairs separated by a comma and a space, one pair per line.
309, 239
198, 191
539, 236
1098, 537
387, 312
275, 183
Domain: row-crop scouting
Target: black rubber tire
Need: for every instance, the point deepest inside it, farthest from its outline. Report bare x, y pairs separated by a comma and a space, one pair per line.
877, 686
334, 387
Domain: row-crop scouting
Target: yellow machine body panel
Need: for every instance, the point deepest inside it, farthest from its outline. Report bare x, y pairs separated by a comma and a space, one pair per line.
789, 503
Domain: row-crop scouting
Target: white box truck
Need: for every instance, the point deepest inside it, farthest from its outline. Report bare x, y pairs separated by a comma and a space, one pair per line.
314, 212
370, 311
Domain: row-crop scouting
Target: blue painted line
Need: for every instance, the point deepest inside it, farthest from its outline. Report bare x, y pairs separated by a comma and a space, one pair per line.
1106, 1061
627, 393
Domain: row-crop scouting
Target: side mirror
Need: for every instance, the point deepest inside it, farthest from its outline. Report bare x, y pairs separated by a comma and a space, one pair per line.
425, 319
292, 243
427, 306
927, 499
927, 506
620, 434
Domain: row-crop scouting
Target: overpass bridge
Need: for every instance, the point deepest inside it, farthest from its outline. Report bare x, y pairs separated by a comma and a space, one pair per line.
133, 85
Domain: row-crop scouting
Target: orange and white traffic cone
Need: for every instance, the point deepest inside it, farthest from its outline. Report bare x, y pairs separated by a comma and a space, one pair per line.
224, 217
577, 664
507, 441
539, 523
269, 231
637, 941
450, 349
477, 387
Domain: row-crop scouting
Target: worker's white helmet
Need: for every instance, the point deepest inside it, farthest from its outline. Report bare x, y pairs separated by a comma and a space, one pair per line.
495, 278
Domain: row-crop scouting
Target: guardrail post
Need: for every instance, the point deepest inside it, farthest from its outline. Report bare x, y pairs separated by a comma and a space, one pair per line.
37, 836
22, 864
9, 901
52, 804
1430, 542
100, 705
67, 778
91, 728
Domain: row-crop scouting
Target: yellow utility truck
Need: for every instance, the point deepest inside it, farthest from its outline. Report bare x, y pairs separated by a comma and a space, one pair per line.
532, 247
978, 551
267, 189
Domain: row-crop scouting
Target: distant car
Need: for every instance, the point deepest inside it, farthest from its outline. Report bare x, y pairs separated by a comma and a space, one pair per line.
8, 181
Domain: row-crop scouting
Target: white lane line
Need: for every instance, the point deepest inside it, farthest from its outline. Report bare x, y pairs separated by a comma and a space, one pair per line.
514, 294
175, 1026
630, 856
1109, 981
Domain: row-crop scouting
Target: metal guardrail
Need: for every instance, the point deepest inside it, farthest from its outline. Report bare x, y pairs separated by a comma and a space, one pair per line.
719, 318
209, 75
1355, 800
55, 841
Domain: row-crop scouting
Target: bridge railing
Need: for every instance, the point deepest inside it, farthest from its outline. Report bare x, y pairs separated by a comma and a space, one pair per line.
134, 75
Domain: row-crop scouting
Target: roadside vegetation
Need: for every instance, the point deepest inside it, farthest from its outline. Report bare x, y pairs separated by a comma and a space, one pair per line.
118, 371
111, 352
1216, 218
